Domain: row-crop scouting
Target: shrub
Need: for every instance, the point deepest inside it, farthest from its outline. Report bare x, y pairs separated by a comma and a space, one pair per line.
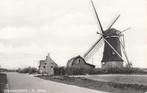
3, 81
98, 71
83, 71
30, 70
77, 71
124, 70
59, 71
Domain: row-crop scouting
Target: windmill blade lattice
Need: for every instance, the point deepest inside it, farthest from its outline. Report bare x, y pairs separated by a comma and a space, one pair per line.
114, 22
97, 45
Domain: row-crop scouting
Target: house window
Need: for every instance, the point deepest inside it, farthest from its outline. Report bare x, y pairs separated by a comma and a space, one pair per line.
51, 66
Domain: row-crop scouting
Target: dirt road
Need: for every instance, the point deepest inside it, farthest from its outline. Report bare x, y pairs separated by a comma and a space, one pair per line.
23, 83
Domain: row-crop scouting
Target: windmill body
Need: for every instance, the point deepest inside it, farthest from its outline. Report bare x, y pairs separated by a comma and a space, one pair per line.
110, 57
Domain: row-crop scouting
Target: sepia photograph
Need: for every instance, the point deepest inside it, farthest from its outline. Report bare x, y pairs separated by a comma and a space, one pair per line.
73, 46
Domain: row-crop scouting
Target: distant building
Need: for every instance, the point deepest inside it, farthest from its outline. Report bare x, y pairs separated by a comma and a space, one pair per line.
79, 63
47, 66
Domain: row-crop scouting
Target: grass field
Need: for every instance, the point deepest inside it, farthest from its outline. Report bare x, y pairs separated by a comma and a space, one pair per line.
3, 81
103, 82
119, 78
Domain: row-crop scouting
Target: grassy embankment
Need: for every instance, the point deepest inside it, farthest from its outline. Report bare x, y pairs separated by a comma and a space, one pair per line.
3, 81
109, 86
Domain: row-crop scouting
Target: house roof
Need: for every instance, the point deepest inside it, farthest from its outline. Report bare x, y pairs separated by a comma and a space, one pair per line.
48, 59
70, 61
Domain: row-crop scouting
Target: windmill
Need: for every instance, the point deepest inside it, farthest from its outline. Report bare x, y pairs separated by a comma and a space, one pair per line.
114, 46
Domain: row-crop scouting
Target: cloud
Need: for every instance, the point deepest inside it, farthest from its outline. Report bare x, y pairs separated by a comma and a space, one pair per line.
16, 32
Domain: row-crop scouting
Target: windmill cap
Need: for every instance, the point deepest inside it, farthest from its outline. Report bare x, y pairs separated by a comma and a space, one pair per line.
112, 32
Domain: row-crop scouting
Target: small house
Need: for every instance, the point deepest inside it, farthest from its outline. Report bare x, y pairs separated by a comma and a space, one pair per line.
47, 66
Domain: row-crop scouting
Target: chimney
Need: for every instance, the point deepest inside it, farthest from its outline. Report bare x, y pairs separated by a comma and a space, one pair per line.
48, 56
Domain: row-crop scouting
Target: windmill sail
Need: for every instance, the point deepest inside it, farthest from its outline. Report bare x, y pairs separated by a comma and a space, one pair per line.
98, 44
114, 22
97, 17
124, 51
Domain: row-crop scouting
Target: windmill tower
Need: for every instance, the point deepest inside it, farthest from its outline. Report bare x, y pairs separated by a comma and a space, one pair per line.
113, 41
112, 56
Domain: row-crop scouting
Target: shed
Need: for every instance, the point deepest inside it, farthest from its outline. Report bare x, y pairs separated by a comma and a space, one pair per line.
79, 63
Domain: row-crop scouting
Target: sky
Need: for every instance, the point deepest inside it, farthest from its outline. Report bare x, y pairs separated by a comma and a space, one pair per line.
29, 29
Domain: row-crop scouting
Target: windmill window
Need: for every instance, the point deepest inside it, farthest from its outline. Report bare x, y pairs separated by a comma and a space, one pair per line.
103, 63
113, 53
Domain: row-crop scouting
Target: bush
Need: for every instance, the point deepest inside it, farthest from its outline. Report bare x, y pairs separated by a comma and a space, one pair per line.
118, 71
98, 71
30, 70
83, 71
77, 71
59, 71
3, 81
126, 70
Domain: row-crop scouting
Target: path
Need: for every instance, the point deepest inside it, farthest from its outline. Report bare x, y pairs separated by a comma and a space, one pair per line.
23, 83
